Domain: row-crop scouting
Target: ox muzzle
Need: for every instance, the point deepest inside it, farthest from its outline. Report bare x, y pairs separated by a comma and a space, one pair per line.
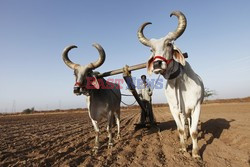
77, 89
80, 89
157, 64
160, 63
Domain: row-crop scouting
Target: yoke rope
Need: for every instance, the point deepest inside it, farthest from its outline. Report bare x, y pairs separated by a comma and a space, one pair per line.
128, 104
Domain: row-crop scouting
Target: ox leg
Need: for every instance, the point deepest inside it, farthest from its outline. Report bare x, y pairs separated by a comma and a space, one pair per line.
109, 129
183, 122
180, 128
95, 124
117, 119
194, 131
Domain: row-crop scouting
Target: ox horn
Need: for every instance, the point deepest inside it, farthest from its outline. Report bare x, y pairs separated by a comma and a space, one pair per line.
141, 36
182, 24
102, 57
66, 59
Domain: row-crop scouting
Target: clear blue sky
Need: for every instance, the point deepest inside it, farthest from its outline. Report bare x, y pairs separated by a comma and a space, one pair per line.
34, 33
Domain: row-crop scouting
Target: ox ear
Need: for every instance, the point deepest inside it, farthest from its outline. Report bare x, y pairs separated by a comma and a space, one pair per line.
178, 56
150, 65
94, 82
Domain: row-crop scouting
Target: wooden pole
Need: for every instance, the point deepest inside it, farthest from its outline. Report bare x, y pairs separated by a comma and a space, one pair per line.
121, 70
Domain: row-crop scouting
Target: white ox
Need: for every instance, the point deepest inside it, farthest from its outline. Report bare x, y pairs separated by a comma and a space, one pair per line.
103, 97
184, 89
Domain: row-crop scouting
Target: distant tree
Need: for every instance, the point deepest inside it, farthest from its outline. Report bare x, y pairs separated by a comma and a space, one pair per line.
209, 93
28, 110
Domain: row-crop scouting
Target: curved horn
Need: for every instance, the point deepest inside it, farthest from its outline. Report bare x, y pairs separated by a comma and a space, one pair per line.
66, 59
182, 24
101, 59
141, 36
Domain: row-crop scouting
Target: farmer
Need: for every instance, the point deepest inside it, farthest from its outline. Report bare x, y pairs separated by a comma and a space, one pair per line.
145, 94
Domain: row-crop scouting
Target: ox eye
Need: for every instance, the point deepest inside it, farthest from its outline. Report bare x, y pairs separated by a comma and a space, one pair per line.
169, 44
151, 50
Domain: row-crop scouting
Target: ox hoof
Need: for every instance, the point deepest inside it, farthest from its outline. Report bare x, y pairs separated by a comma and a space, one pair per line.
95, 150
196, 156
110, 145
118, 137
182, 150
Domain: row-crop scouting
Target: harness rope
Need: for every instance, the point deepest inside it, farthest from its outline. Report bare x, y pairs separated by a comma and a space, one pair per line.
128, 104
126, 95
156, 81
121, 99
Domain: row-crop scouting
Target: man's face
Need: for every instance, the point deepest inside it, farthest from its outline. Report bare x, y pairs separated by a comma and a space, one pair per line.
143, 79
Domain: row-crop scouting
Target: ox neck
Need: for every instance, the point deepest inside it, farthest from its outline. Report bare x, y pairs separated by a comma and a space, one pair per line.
103, 85
88, 92
175, 72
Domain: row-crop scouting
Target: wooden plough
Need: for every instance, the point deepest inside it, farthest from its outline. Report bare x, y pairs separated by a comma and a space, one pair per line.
149, 117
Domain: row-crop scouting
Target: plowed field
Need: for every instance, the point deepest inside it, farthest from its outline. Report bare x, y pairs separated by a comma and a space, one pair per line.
66, 139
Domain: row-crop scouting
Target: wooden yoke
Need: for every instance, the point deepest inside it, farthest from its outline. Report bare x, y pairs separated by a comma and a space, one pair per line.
129, 68
121, 70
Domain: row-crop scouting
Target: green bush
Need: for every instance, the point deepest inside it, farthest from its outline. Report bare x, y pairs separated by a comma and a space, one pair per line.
209, 93
28, 110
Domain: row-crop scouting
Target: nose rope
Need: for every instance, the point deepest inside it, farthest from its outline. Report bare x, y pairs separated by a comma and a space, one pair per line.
78, 84
163, 59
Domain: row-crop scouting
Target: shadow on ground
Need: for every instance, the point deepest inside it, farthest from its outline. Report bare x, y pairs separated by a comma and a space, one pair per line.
214, 128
